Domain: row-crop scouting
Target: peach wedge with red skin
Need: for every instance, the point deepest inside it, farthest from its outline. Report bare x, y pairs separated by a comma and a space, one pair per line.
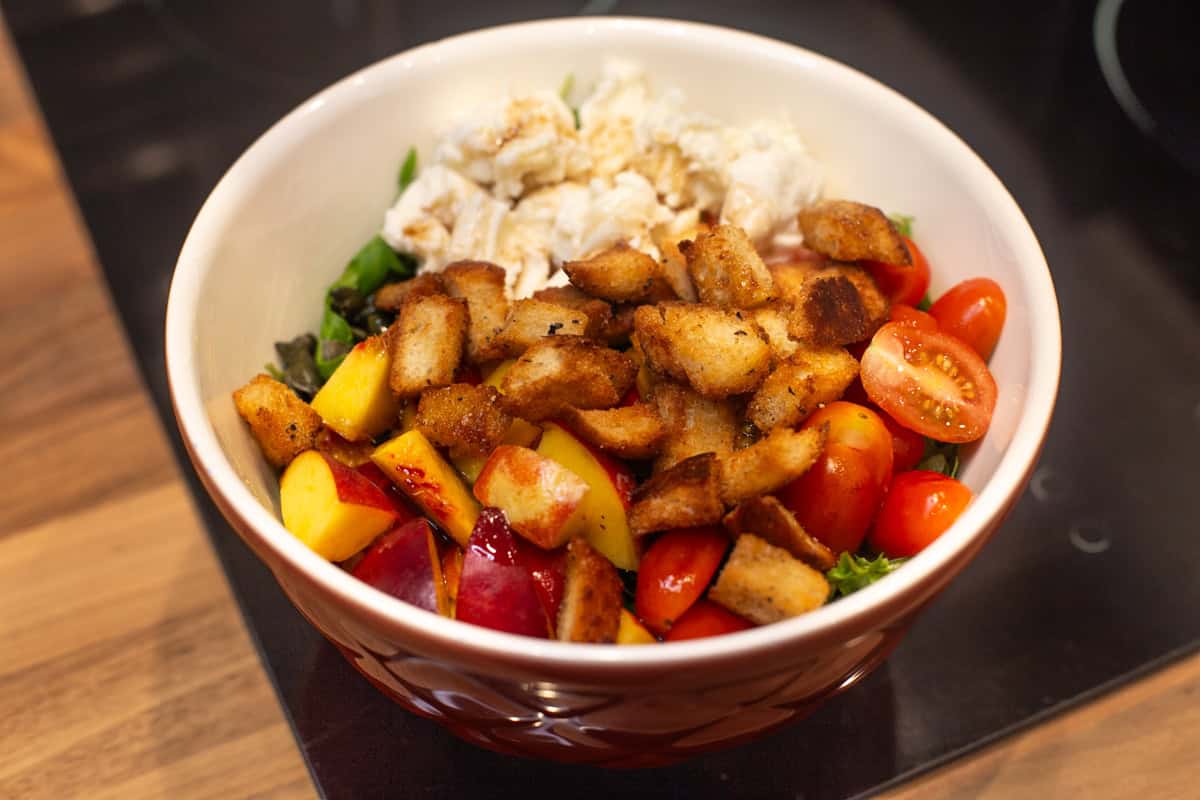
331, 507
355, 401
412, 463
495, 589
542, 499
405, 563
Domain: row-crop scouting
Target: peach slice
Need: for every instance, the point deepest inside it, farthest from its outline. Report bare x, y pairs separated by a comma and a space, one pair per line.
355, 401
405, 563
541, 498
632, 631
330, 507
413, 464
495, 589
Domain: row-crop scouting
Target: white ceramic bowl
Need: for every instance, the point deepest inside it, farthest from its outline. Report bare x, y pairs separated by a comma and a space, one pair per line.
286, 217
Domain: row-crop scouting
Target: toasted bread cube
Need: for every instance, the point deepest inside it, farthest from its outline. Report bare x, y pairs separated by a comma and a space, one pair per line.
618, 330
767, 518
542, 499
769, 463
848, 231
668, 238
774, 321
801, 385
876, 306
392, 296
599, 312
283, 425
790, 277
726, 269
765, 584
481, 285
621, 274
464, 418
633, 431
830, 311
426, 344
528, 322
591, 605
718, 352
686, 495
559, 372
694, 424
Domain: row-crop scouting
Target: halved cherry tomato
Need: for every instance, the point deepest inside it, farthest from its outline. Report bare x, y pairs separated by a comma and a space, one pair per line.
929, 382
859, 428
974, 311
674, 573
908, 447
902, 284
907, 315
836, 499
704, 619
919, 507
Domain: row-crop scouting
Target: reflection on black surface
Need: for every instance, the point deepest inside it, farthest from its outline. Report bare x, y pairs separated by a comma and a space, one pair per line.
1090, 579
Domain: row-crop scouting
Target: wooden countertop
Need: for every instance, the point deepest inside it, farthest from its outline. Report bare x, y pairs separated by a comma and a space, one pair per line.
125, 668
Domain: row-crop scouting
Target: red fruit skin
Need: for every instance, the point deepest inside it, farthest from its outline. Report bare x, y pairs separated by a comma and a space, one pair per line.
674, 573
973, 311
355, 488
495, 590
908, 447
548, 568
403, 508
401, 563
705, 619
920, 506
907, 315
836, 499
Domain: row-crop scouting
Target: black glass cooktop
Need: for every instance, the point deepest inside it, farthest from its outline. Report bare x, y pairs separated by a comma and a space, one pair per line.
1092, 579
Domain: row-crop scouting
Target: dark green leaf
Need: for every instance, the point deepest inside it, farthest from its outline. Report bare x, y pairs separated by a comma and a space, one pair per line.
335, 341
370, 267
854, 572
274, 372
299, 369
940, 457
925, 303
408, 170
903, 223
347, 301
628, 588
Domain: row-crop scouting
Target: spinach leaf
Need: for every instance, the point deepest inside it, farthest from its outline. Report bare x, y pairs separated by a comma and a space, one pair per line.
408, 170
854, 572
371, 266
925, 303
334, 342
299, 368
903, 223
940, 457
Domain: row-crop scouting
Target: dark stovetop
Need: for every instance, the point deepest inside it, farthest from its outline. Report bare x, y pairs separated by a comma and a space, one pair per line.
1092, 579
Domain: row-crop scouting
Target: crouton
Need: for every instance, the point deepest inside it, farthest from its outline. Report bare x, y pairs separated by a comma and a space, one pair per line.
766, 518
618, 330
426, 344
790, 277
592, 597
391, 296
765, 584
774, 321
599, 312
801, 385
848, 231
829, 312
621, 274
686, 495
283, 425
633, 431
876, 306
464, 418
528, 322
694, 424
352, 454
481, 285
769, 464
718, 352
726, 269
559, 372
668, 239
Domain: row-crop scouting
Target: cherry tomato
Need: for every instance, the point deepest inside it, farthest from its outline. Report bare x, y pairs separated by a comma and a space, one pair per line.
929, 382
836, 499
674, 573
859, 428
907, 315
919, 507
703, 619
901, 283
974, 311
908, 447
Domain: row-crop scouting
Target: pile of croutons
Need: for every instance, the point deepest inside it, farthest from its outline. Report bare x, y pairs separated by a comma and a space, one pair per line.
702, 364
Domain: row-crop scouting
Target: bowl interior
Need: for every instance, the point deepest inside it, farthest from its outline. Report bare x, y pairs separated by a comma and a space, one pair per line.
288, 216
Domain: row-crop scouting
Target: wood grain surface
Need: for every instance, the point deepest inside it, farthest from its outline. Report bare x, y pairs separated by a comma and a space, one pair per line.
125, 669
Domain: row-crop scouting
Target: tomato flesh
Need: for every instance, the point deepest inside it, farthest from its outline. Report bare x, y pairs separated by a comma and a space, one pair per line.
902, 283
674, 573
929, 382
836, 499
973, 311
919, 507
704, 619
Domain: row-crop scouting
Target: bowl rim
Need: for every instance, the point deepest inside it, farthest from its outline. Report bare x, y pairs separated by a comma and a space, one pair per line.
849, 616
